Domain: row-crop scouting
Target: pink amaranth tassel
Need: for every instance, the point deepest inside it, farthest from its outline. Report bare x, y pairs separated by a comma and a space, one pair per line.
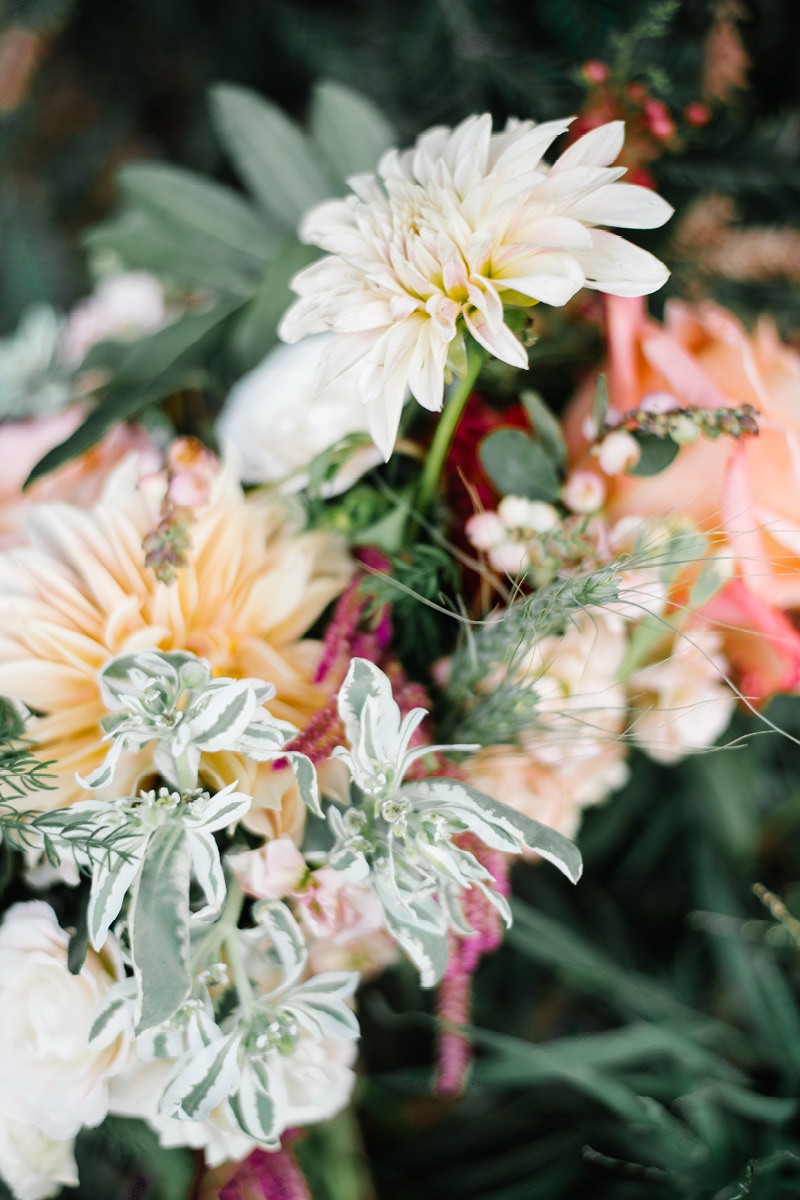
268, 1175
454, 1000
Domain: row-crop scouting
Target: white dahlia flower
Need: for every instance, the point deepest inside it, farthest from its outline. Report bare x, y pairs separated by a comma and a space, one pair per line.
462, 224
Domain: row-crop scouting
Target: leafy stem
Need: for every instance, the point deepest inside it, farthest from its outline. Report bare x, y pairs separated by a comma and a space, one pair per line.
448, 423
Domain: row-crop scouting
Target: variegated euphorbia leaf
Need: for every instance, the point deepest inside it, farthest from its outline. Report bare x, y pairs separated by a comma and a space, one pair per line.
158, 928
288, 943
171, 698
496, 824
203, 1079
318, 1004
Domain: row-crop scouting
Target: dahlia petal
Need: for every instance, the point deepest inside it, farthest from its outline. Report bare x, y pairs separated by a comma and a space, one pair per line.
426, 369
499, 342
616, 266
623, 204
597, 148
560, 232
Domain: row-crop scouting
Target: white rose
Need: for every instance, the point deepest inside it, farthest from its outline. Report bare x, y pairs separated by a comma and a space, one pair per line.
278, 423
33, 1165
51, 1077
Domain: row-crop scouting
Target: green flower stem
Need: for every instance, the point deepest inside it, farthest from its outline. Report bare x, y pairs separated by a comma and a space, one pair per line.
239, 977
448, 422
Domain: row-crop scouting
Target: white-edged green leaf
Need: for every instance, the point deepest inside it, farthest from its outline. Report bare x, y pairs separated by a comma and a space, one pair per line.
222, 717
260, 1103
323, 999
112, 875
306, 775
217, 812
159, 927
203, 1080
364, 681
103, 775
208, 873
419, 927
113, 1016
499, 826
271, 153
351, 131
265, 736
287, 938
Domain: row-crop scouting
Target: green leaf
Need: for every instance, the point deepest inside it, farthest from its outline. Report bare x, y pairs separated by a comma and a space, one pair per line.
154, 367
119, 404
655, 454
351, 132
600, 404
112, 876
517, 466
256, 329
211, 218
159, 928
270, 152
78, 943
288, 942
260, 1102
546, 427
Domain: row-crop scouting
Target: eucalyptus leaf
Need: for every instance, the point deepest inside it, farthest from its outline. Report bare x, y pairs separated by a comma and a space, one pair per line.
546, 427
655, 454
518, 466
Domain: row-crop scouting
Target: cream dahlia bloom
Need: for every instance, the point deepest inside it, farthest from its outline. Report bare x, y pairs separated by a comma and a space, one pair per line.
465, 222
79, 593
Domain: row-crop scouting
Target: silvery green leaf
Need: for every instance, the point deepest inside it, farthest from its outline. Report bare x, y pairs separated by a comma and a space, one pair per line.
306, 775
419, 927
260, 1103
217, 812
208, 873
113, 1015
103, 775
221, 717
112, 875
499, 826
287, 939
203, 1080
159, 927
201, 1030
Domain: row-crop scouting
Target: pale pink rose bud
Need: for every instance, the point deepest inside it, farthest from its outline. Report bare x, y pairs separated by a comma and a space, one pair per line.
511, 558
191, 471
272, 871
485, 530
584, 492
518, 513
658, 402
618, 452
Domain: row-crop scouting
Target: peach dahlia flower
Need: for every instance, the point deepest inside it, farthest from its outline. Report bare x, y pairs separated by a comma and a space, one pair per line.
79, 592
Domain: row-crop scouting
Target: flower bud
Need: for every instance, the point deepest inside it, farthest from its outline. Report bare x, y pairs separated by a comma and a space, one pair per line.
584, 492
618, 452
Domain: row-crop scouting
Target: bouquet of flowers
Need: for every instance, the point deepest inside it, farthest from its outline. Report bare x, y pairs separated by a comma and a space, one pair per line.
302, 645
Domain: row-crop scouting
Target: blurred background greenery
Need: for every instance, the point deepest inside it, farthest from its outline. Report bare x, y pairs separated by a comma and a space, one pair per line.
638, 1036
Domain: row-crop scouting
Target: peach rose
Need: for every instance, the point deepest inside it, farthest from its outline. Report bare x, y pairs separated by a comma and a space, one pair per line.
746, 492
